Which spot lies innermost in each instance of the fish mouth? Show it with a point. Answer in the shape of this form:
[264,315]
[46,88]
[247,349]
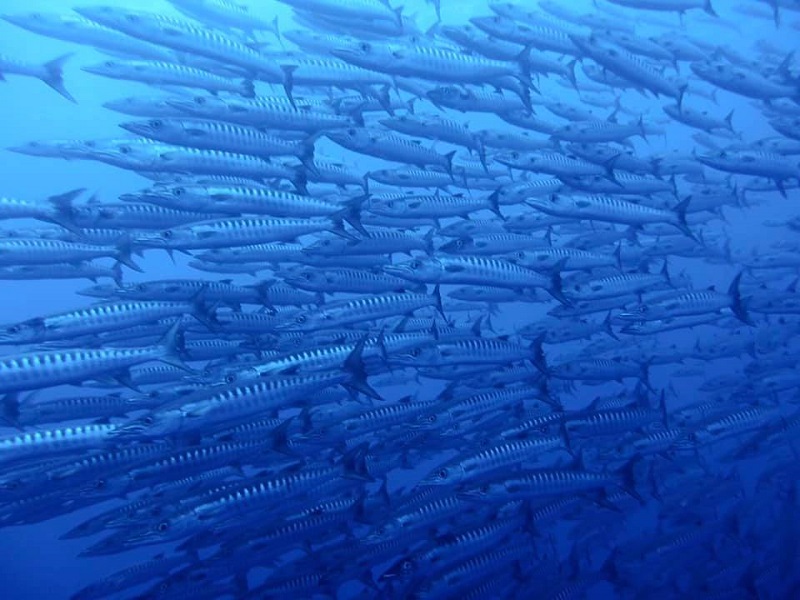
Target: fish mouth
[184,105]
[95,70]
[154,240]
[136,128]
[396,270]
[345,53]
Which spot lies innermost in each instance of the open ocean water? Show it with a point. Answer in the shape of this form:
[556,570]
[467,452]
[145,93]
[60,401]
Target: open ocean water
[338,299]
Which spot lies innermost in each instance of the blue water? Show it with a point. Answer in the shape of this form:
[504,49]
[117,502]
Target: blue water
[35,564]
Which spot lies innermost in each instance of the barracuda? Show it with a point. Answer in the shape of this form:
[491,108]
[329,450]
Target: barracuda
[97,319]
[487,462]
[166,73]
[41,369]
[183,36]
[244,231]
[612,210]
[477,270]
[46,252]
[266,112]
[225,137]
[692,303]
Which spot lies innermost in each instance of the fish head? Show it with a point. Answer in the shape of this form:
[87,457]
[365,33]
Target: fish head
[306,320]
[390,207]
[422,355]
[516,159]
[403,570]
[155,423]
[425,270]
[462,244]
[38,22]
[449,93]
[206,105]
[108,68]
[151,128]
[56,148]
[368,54]
[103,290]
[24,332]
[330,246]
[384,532]
[444,475]
[168,238]
[105,487]
[349,135]
[483,493]
[306,276]
[127,21]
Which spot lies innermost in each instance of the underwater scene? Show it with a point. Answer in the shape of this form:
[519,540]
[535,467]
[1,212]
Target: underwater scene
[442,299]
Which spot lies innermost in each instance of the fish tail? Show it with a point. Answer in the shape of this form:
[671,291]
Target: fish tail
[556,289]
[437,297]
[288,82]
[116,272]
[449,157]
[54,76]
[124,250]
[10,409]
[628,476]
[539,359]
[680,212]
[172,347]
[354,463]
[608,328]
[354,365]
[64,212]
[571,73]
[737,306]
[248,88]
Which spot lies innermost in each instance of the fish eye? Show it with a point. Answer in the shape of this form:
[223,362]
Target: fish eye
[230,378]
[351,131]
[443,474]
[200,100]
[364,46]
[301,319]
[162,526]
[149,420]
[515,155]
[415,264]
[100,484]
[306,276]
[416,352]
[132,18]
[125,149]
[156,123]
[141,287]
[167,234]
[14,329]
[109,63]
[406,565]
[178,191]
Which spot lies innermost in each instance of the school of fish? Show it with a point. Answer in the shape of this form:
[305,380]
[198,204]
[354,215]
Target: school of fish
[404,357]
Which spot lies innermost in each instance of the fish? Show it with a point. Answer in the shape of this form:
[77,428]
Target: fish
[430,301]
